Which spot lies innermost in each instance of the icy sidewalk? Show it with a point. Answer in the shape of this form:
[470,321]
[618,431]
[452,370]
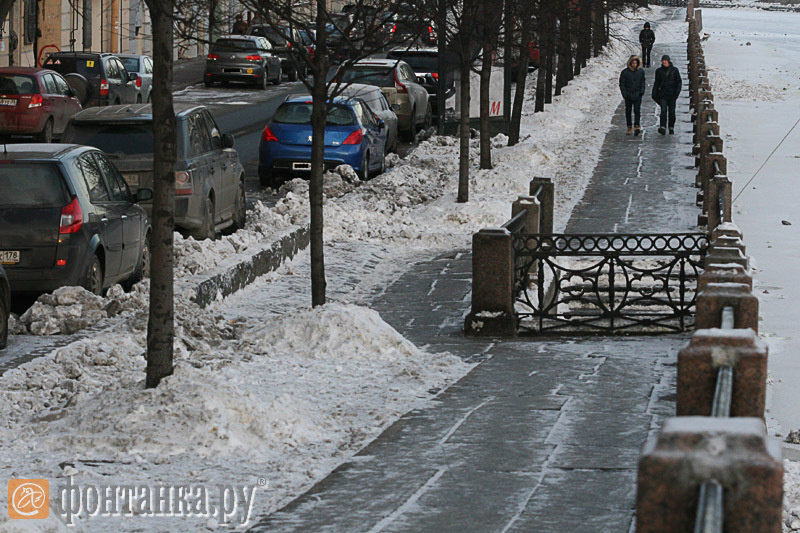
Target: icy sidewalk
[539,437]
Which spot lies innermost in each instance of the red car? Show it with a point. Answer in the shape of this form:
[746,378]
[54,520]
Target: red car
[35,102]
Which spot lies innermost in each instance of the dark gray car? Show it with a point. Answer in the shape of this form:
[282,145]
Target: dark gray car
[247,58]
[143,66]
[291,64]
[209,179]
[98,79]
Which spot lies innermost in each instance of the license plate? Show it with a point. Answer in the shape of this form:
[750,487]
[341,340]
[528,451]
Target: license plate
[301,166]
[8,101]
[131,179]
[9,257]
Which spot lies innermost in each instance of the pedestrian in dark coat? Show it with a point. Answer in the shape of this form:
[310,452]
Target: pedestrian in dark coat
[240,26]
[646,38]
[666,90]
[632,86]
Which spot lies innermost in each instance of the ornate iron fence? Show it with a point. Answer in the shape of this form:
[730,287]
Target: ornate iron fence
[606,282]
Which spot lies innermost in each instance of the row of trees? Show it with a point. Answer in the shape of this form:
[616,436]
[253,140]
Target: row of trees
[478,33]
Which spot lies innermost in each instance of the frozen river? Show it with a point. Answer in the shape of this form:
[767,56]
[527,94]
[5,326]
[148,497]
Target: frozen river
[754,56]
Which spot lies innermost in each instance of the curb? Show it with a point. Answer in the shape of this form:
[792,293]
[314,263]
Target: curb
[233,278]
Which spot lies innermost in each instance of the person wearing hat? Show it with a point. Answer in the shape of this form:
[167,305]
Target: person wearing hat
[240,26]
[647,37]
[632,86]
[666,90]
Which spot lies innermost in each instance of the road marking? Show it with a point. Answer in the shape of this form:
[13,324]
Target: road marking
[628,210]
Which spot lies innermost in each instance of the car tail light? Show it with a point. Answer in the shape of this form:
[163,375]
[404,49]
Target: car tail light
[212,57]
[394,28]
[61,262]
[430,30]
[399,86]
[71,217]
[104,87]
[36,101]
[355,138]
[268,136]
[253,58]
[138,82]
[435,75]
[183,182]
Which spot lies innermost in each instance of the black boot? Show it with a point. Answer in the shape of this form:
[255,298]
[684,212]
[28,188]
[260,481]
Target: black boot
[662,130]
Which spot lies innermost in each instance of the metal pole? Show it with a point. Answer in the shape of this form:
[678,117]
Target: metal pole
[442,83]
[709,508]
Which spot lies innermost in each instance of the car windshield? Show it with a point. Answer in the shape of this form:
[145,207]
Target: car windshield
[117,140]
[379,76]
[419,62]
[235,44]
[32,185]
[300,113]
[18,84]
[273,35]
[89,67]
[131,63]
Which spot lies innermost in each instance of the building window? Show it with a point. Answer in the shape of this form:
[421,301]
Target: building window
[30,21]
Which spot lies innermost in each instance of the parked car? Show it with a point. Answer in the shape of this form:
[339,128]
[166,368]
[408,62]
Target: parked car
[67,218]
[408,30]
[409,99]
[98,79]
[246,58]
[425,63]
[5,306]
[291,63]
[379,105]
[143,67]
[35,102]
[209,179]
[353,136]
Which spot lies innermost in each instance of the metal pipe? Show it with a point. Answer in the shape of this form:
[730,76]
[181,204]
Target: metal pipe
[728,318]
[723,393]
[709,508]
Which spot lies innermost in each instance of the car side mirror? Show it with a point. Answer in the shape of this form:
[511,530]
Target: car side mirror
[133,76]
[143,195]
[227,140]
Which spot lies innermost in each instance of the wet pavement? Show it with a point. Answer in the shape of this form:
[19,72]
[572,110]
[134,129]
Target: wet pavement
[544,434]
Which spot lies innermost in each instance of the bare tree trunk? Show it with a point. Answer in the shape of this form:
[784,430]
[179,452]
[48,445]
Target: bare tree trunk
[584,37]
[160,325]
[319,97]
[564,74]
[486,134]
[522,76]
[463,154]
[598,28]
[549,33]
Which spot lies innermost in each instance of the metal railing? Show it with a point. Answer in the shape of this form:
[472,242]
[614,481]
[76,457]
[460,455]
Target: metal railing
[710,500]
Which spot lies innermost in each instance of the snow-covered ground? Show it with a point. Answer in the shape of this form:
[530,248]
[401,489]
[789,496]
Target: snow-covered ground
[753,57]
[266,389]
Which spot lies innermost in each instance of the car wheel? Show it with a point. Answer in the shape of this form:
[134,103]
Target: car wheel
[138,98]
[94,277]
[208,230]
[4,313]
[143,269]
[262,83]
[363,174]
[279,78]
[240,207]
[381,168]
[46,135]
[411,132]
[117,101]
[208,83]
[266,178]
[428,122]
[149,98]
[293,74]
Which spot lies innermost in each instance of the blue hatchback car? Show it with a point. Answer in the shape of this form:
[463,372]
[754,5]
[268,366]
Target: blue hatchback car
[353,136]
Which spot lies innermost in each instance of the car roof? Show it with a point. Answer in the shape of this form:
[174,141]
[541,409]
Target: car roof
[414,50]
[377,63]
[127,113]
[38,151]
[64,53]
[358,89]
[239,37]
[23,70]
[301,99]
[132,55]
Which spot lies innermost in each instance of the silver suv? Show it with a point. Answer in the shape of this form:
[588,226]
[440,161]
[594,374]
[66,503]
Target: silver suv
[209,178]
[409,99]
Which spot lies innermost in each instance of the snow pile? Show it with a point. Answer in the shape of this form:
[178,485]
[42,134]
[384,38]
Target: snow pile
[726,88]
[791,496]
[290,398]
[68,310]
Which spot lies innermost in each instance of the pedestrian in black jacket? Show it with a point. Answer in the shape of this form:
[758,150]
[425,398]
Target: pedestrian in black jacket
[632,86]
[666,90]
[647,37]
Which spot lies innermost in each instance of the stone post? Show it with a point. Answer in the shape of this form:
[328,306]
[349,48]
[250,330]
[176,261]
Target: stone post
[492,285]
[735,452]
[716,296]
[547,201]
[699,361]
[723,273]
[533,208]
